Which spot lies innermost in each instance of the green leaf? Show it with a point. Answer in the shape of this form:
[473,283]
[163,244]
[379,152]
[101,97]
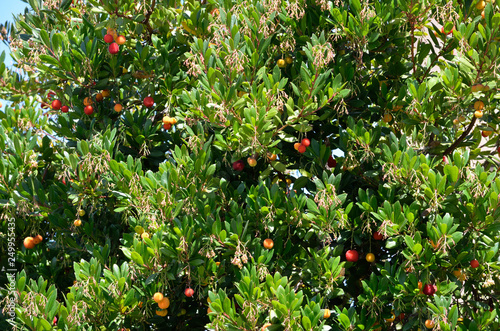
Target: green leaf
[137,258]
[306,322]
[344,320]
[417,248]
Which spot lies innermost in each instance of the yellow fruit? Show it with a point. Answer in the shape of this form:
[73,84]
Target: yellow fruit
[252,161]
[478,114]
[169,120]
[461,118]
[370,257]
[480,5]
[77,223]
[87,101]
[326,313]
[157,297]
[144,235]
[289,60]
[164,304]
[455,121]
[81,212]
[281,63]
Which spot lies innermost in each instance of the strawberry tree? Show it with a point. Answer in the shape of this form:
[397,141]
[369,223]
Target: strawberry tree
[251,165]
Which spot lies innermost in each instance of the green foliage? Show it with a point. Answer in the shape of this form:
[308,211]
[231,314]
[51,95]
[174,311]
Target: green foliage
[155,199]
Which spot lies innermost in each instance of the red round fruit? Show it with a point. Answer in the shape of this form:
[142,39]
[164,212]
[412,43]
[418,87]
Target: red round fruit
[377,236]
[302,149]
[113,48]
[238,165]
[108,38]
[189,292]
[149,102]
[428,289]
[56,104]
[306,142]
[352,255]
[332,163]
[88,110]
[64,109]
[474,263]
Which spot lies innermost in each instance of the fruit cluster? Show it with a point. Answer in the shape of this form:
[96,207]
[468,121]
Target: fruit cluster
[31,242]
[302,146]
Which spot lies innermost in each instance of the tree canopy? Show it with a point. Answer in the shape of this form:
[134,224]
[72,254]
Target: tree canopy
[251,164]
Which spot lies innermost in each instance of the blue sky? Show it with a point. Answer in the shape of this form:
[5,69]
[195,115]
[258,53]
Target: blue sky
[9,8]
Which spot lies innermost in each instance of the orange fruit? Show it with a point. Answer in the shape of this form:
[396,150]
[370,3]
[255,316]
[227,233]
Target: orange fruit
[296,146]
[77,223]
[99,97]
[105,93]
[391,319]
[429,324]
[478,105]
[87,101]
[265,326]
[120,40]
[167,126]
[118,108]
[387,118]
[326,313]
[157,297]
[112,32]
[38,239]
[272,157]
[268,243]
[162,313]
[29,242]
[164,303]
[169,120]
